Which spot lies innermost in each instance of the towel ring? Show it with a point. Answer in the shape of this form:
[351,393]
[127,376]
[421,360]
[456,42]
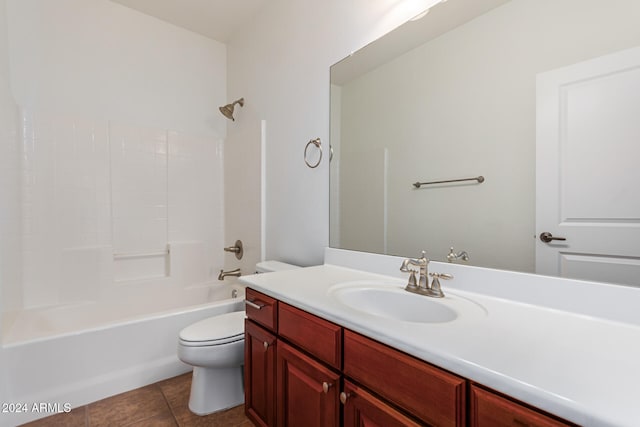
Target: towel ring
[318,144]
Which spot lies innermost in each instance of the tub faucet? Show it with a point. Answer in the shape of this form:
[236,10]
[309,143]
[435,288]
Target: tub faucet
[223,274]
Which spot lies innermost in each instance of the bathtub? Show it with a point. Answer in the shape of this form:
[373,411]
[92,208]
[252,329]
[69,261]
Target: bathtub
[79,353]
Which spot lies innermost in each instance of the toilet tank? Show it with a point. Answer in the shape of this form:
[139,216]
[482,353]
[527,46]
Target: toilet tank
[270,266]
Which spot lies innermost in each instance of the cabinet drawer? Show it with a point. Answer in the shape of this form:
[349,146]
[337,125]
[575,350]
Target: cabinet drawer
[433,395]
[319,337]
[261,309]
[490,410]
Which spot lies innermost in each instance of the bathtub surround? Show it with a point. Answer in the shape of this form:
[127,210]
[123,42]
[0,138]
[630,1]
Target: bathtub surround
[119,152]
[104,201]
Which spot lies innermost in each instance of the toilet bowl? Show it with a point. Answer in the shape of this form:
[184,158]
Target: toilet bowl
[215,348]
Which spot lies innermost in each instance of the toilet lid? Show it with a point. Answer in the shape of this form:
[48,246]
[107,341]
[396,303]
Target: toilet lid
[215,330]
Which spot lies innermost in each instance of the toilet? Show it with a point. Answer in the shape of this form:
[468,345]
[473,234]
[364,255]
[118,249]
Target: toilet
[215,348]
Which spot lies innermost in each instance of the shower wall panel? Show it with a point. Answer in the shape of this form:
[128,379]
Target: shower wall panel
[102,202]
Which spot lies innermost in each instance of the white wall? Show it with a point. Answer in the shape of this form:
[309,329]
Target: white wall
[121,143]
[108,61]
[10,246]
[280,64]
[10,221]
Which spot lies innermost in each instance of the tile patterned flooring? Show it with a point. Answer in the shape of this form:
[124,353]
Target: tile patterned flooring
[163,404]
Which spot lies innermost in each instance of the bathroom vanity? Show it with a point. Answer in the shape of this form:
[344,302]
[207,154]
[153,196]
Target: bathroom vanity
[321,351]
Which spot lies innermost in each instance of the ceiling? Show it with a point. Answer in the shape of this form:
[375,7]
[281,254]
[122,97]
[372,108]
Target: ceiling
[216,19]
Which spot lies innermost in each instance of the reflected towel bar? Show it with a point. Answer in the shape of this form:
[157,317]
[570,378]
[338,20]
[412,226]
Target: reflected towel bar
[480,179]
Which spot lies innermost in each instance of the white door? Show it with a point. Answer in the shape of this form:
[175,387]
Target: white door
[588,169]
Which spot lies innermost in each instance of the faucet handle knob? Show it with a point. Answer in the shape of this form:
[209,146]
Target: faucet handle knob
[435,290]
[412,285]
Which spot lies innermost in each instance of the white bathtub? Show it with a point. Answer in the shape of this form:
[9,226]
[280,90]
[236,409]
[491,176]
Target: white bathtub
[78,353]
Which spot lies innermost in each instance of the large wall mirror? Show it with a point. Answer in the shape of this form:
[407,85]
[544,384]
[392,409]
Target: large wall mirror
[539,97]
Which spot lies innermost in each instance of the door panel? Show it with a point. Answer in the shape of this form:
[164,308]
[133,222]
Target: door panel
[587,174]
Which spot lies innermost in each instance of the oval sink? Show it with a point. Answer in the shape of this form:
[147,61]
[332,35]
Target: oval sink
[395,305]
[393,302]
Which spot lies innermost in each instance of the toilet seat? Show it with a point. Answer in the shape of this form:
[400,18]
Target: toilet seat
[216,330]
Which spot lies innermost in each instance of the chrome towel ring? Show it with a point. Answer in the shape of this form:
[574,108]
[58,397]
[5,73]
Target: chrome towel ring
[318,145]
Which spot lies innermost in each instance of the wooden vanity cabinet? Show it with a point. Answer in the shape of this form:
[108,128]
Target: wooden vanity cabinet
[317,336]
[259,374]
[262,309]
[295,363]
[260,343]
[307,390]
[488,409]
[361,408]
[423,390]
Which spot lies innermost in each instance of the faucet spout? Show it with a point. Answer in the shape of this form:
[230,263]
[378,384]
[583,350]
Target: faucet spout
[423,264]
[223,274]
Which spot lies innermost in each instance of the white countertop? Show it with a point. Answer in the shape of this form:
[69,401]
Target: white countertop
[579,367]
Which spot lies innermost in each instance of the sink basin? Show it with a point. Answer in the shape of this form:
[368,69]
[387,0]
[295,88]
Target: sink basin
[393,302]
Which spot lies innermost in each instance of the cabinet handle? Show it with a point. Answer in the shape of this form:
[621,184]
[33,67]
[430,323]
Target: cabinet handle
[266,345]
[253,304]
[326,386]
[344,396]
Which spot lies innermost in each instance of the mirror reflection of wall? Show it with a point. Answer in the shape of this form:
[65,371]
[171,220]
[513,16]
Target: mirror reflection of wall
[460,105]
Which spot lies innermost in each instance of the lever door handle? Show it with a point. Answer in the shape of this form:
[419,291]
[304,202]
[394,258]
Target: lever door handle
[548,237]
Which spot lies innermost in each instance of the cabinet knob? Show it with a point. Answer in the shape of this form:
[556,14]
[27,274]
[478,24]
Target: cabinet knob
[344,396]
[266,345]
[326,386]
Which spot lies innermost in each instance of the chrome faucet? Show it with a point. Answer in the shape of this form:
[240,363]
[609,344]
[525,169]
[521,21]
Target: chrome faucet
[423,282]
[223,274]
[423,287]
[452,256]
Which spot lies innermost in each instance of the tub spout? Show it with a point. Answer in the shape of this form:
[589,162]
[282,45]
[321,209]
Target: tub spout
[223,274]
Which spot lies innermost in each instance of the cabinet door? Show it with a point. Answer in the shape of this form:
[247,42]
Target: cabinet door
[361,409]
[259,375]
[307,390]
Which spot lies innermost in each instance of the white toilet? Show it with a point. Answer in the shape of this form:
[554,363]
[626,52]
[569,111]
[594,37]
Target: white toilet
[215,348]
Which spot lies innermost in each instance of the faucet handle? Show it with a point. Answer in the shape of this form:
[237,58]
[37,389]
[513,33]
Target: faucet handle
[405,266]
[412,285]
[435,290]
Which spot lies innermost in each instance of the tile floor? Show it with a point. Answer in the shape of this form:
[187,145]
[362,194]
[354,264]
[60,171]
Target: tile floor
[163,404]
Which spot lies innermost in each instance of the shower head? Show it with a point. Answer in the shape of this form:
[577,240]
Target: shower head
[227,110]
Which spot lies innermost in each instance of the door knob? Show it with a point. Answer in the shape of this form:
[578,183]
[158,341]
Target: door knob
[548,237]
